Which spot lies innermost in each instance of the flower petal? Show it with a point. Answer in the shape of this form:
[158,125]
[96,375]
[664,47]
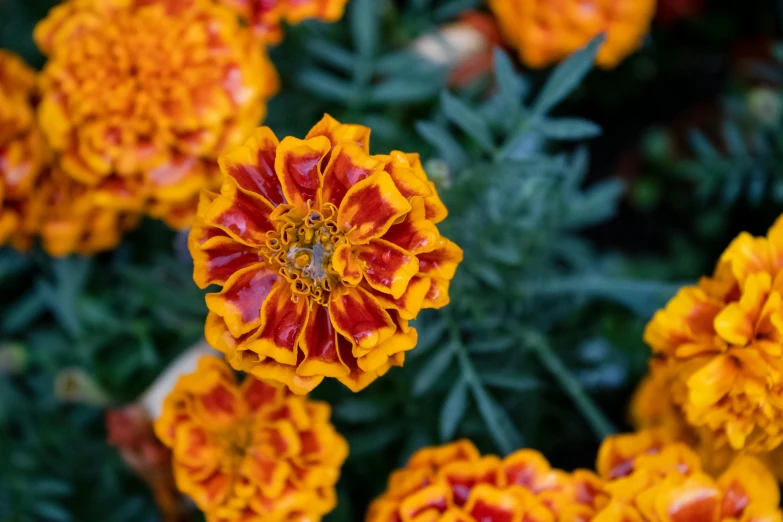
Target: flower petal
[415,233]
[282,322]
[442,261]
[370,207]
[437,295]
[338,132]
[241,214]
[269,369]
[252,165]
[409,304]
[359,317]
[436,210]
[713,381]
[240,301]
[259,395]
[348,165]
[298,168]
[346,265]
[463,476]
[319,344]
[407,180]
[267,471]
[489,503]
[218,258]
[387,267]
[357,379]
[403,340]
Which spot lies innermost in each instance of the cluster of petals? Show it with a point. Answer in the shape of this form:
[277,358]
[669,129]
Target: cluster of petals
[249,451]
[545,32]
[324,253]
[37,201]
[723,339]
[455,483]
[266,17]
[649,480]
[139,97]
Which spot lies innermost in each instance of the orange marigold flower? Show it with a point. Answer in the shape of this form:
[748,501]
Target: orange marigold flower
[649,480]
[724,339]
[454,483]
[546,31]
[266,17]
[23,151]
[324,252]
[141,96]
[250,451]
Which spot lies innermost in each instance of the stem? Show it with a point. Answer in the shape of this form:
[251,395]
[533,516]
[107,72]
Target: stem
[600,425]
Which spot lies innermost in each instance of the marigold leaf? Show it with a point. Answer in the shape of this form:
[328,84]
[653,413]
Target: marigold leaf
[447,147]
[453,409]
[432,370]
[403,91]
[51,512]
[364,26]
[568,129]
[509,83]
[325,85]
[567,76]
[468,120]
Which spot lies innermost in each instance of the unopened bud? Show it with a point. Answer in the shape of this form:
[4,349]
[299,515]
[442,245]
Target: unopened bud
[765,105]
[13,358]
[74,385]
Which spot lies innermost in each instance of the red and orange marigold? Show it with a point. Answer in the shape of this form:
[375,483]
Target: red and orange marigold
[649,480]
[453,483]
[546,31]
[139,97]
[250,451]
[324,252]
[723,338]
[266,17]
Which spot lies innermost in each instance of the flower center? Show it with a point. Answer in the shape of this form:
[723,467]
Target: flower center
[237,440]
[303,250]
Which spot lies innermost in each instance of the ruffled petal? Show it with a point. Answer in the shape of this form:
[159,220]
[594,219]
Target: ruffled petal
[713,381]
[348,165]
[358,316]
[415,233]
[319,344]
[403,340]
[405,178]
[442,261]
[218,258]
[298,165]
[271,370]
[243,215]
[436,210]
[387,267]
[370,207]
[338,132]
[283,319]
[410,303]
[240,301]
[346,265]
[252,165]
[357,379]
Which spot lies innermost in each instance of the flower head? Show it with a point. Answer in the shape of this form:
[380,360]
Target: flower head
[250,451]
[324,252]
[140,97]
[724,339]
[23,151]
[266,17]
[545,31]
[454,483]
[648,480]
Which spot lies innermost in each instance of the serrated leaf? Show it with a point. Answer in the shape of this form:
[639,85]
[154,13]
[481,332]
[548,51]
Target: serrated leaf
[403,91]
[332,54]
[567,76]
[453,409]
[326,86]
[432,370]
[506,439]
[510,382]
[447,147]
[468,120]
[568,129]
[364,26]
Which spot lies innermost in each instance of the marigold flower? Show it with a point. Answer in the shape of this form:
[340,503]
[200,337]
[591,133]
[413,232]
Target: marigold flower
[649,480]
[266,17]
[546,31]
[724,339]
[140,97]
[23,151]
[250,451]
[324,252]
[454,483]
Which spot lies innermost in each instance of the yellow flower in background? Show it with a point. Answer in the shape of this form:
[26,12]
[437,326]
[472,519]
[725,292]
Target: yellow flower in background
[723,338]
[324,253]
[138,98]
[266,17]
[547,31]
[23,150]
[454,483]
[648,480]
[250,452]
[38,201]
